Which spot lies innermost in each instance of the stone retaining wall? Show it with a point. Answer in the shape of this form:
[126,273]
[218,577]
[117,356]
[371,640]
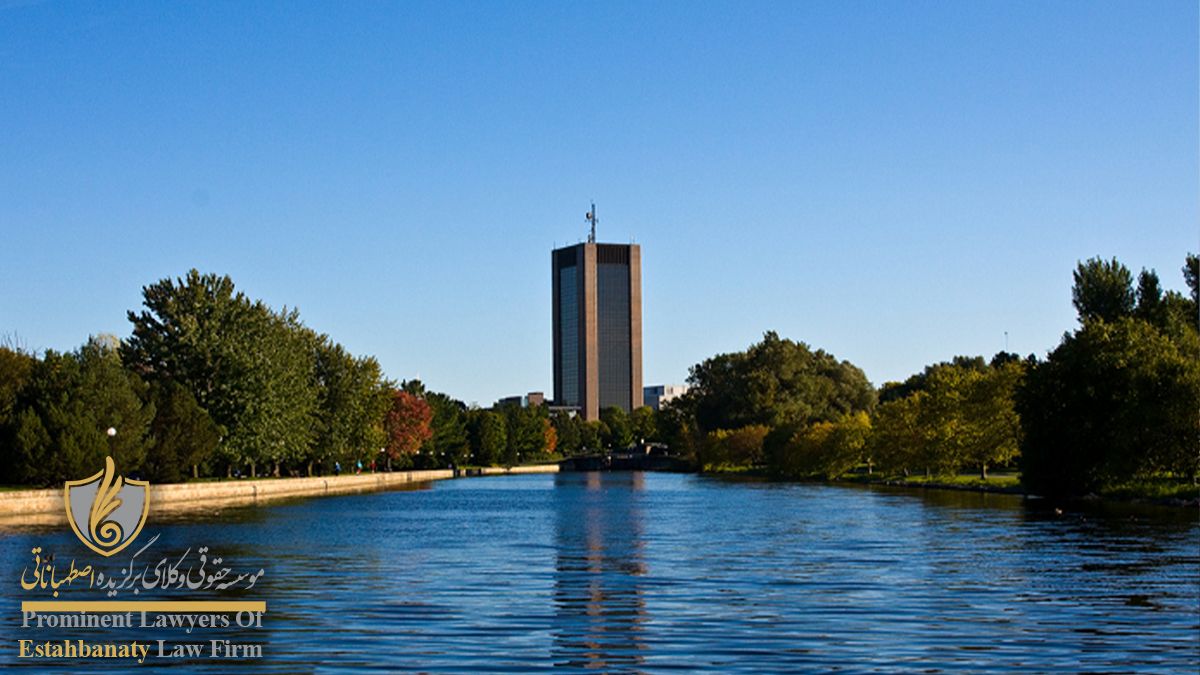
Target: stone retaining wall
[46,506]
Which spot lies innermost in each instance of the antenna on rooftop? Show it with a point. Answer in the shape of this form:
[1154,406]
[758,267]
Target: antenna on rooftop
[591,217]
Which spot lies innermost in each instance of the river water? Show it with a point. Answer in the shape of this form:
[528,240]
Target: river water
[669,573]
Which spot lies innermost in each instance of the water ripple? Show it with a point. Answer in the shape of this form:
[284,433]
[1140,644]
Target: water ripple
[658,573]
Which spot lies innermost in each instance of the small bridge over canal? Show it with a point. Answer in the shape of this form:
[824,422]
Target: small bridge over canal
[637,458]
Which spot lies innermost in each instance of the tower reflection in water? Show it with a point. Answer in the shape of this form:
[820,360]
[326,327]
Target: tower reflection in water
[600,610]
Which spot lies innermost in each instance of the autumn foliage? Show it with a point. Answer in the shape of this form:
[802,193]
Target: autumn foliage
[407,424]
[551,436]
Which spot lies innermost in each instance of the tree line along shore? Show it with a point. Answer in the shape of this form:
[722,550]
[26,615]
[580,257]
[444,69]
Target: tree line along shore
[211,384]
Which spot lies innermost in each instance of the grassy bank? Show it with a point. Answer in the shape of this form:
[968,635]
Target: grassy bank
[997,482]
[1164,491]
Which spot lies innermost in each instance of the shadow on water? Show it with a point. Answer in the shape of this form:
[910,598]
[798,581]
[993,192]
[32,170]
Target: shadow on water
[598,591]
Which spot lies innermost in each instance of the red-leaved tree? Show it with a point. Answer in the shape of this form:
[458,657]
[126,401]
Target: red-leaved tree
[407,426]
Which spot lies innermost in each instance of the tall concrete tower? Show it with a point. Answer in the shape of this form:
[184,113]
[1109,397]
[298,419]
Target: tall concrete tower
[597,326]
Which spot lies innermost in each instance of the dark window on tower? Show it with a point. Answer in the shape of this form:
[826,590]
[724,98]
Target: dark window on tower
[568,312]
[612,323]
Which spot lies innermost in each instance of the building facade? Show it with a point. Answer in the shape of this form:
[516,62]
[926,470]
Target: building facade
[531,400]
[597,327]
[657,395]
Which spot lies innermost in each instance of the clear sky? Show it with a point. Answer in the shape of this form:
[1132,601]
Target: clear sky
[893,182]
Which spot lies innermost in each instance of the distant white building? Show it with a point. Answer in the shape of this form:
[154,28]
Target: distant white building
[659,394]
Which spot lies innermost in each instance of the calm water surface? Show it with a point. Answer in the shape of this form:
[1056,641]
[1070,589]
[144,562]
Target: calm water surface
[665,573]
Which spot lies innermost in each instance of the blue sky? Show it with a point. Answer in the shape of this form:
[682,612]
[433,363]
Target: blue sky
[894,183]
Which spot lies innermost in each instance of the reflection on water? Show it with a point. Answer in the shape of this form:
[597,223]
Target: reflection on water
[657,573]
[599,608]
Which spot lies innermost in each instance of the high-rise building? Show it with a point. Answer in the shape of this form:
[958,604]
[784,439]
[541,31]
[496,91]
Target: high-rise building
[597,327]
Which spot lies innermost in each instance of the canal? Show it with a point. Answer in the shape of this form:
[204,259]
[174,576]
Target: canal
[662,573]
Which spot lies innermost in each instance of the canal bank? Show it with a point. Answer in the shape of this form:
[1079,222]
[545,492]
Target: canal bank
[45,507]
[1011,488]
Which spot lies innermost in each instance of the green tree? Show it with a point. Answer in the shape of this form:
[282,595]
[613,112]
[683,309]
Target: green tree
[569,433]
[643,424]
[712,452]
[1103,290]
[992,425]
[731,448]
[676,426]
[744,446]
[353,399]
[64,411]
[1150,302]
[828,449]
[1191,275]
[590,433]
[526,434]
[450,444]
[921,381]
[15,366]
[488,437]
[955,414]
[810,452]
[184,435]
[1116,401]
[250,368]
[775,382]
[943,417]
[620,435]
[898,440]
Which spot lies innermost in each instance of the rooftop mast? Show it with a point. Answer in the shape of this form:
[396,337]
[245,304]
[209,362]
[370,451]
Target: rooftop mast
[591,217]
